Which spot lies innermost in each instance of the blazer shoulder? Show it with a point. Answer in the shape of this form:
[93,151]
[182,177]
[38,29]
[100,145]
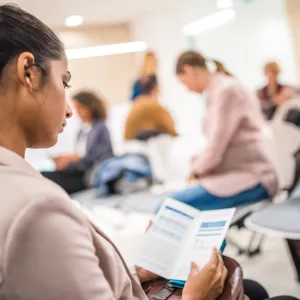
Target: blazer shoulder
[45,206]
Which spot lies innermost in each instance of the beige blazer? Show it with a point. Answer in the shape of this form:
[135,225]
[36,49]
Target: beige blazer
[48,248]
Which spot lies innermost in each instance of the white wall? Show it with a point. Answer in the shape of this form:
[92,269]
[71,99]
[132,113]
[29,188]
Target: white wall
[110,76]
[260,32]
[293,11]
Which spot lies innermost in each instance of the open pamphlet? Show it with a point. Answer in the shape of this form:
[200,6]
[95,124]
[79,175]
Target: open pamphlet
[180,235]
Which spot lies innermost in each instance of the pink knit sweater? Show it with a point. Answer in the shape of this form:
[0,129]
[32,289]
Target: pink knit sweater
[237,156]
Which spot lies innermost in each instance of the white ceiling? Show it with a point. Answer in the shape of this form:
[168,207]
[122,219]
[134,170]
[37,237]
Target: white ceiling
[54,12]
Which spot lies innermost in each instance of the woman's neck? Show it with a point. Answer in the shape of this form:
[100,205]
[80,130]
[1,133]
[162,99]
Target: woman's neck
[208,80]
[12,139]
[272,83]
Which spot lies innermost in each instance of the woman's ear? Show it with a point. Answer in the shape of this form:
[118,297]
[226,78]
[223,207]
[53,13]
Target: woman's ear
[27,73]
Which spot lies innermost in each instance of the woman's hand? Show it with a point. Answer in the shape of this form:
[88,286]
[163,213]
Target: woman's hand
[193,177]
[285,94]
[208,283]
[144,275]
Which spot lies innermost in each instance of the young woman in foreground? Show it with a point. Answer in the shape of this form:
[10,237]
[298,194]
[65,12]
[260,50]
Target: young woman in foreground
[48,248]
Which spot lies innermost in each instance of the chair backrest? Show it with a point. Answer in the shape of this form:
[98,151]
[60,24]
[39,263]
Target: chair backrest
[296,179]
[158,150]
[286,141]
[283,109]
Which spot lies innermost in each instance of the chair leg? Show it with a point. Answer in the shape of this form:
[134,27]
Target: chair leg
[252,249]
[294,246]
[254,245]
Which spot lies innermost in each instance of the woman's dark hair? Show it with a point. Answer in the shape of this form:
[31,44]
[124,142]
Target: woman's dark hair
[92,102]
[190,58]
[22,32]
[148,83]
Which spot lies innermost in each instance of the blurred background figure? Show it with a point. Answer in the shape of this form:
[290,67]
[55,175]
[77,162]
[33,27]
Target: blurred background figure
[147,117]
[93,145]
[234,167]
[274,93]
[148,68]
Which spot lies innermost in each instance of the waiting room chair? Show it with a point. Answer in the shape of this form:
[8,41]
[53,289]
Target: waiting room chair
[281,220]
[283,109]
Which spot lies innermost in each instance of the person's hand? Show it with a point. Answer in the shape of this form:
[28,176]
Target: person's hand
[192,177]
[195,164]
[284,95]
[149,225]
[63,160]
[208,283]
[145,276]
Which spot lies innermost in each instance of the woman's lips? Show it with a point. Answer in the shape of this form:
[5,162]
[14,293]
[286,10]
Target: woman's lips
[62,127]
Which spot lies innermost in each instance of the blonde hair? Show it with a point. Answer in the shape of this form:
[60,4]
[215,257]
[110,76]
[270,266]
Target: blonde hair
[146,68]
[273,67]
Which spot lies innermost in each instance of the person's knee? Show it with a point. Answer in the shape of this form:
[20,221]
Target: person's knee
[254,290]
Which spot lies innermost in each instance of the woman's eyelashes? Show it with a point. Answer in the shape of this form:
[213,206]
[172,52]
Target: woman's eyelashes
[66,85]
[66,80]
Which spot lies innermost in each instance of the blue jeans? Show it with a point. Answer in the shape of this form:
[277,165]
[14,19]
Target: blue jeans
[200,198]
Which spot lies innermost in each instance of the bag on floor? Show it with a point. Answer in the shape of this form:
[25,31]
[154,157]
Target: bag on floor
[233,288]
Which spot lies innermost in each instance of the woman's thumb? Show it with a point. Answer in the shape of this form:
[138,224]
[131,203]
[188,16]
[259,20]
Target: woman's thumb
[194,268]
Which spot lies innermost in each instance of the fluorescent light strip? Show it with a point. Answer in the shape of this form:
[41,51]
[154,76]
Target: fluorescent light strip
[209,22]
[74,21]
[106,50]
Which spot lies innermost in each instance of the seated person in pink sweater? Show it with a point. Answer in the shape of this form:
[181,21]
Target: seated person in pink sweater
[236,166]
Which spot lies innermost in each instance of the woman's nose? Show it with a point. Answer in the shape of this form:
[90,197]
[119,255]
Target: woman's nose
[69,112]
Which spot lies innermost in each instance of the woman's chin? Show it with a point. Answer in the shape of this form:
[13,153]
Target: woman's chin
[42,144]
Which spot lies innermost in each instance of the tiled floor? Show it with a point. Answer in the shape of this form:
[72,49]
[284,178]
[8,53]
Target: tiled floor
[273,268]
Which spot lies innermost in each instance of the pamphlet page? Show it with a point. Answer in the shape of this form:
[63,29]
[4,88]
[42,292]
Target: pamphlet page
[164,242]
[209,233]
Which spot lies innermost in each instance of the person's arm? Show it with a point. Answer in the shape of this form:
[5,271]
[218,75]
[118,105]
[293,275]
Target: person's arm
[100,149]
[285,94]
[226,116]
[50,255]
[165,122]
[63,160]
